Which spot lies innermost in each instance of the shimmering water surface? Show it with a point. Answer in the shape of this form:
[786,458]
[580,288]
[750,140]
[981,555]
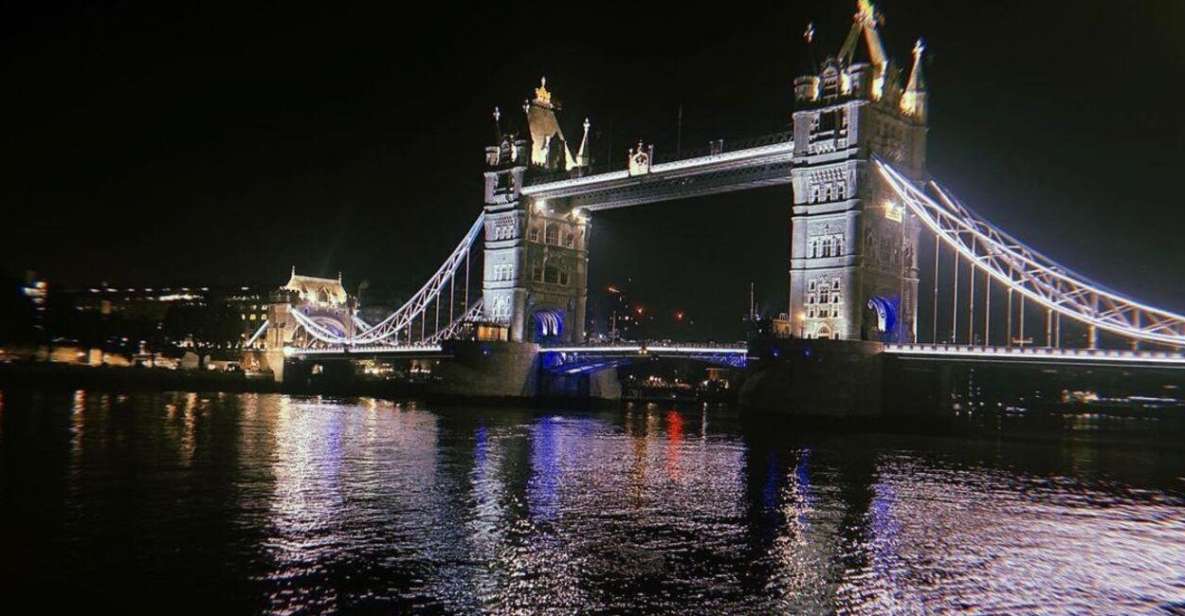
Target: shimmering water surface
[249,503]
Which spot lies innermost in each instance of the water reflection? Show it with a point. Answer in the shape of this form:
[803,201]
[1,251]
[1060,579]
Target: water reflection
[289,505]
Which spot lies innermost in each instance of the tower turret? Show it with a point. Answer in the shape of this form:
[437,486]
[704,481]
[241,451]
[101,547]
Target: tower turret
[854,251]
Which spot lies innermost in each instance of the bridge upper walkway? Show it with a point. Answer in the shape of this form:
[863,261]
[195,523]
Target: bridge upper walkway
[764,161]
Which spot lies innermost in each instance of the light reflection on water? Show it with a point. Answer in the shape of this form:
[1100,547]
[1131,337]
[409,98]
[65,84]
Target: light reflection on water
[284,505]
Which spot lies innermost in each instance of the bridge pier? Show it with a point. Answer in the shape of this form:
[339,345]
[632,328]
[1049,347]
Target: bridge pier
[273,359]
[513,370]
[815,378]
[488,370]
[600,385]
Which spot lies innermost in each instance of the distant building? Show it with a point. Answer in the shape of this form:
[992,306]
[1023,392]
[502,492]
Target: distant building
[209,317]
[313,290]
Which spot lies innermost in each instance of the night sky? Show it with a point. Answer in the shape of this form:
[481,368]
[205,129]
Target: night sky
[147,143]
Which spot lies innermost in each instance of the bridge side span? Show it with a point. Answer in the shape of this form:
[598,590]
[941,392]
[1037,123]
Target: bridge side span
[1030,273]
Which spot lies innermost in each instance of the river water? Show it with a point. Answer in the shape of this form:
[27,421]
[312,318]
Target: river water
[243,503]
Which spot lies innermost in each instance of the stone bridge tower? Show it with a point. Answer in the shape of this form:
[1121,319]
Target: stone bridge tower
[853,266]
[535,280]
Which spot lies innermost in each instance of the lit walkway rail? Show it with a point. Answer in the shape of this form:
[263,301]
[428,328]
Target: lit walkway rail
[1098,357]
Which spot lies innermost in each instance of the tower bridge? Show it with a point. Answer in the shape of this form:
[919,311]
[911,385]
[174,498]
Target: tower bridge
[861,203]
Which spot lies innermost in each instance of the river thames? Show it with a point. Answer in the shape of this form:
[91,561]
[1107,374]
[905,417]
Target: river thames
[246,503]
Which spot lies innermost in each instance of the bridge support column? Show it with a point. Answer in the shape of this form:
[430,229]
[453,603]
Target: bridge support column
[489,370]
[273,359]
[816,378]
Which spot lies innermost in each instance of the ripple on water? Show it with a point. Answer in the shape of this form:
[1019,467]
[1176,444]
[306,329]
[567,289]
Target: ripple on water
[295,505]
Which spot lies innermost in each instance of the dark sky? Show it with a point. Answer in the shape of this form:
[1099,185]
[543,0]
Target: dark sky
[148,143]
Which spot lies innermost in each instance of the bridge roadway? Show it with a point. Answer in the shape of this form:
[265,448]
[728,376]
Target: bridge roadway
[765,161]
[575,359]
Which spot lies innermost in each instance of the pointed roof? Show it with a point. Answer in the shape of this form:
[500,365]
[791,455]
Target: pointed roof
[545,127]
[317,290]
[864,22]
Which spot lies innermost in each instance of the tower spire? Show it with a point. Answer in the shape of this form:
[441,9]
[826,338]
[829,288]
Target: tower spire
[808,35]
[913,101]
[582,154]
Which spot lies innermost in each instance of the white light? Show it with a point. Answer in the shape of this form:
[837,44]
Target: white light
[1027,353]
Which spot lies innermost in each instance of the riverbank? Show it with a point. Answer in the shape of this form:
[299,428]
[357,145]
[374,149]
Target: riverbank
[56,376]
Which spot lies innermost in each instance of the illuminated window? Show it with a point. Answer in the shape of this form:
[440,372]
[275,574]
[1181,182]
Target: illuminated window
[552,235]
[533,234]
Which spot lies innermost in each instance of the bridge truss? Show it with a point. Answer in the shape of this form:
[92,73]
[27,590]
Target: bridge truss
[1028,273]
[399,329]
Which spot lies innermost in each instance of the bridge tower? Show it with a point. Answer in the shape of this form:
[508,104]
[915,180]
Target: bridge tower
[853,266]
[535,279]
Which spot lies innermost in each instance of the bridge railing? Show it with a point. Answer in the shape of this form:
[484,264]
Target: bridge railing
[1034,353]
[651,346]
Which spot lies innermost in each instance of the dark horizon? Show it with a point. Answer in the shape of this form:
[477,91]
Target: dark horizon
[156,145]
